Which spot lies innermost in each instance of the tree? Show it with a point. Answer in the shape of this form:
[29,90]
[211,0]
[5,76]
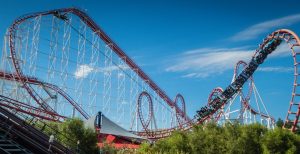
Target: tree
[86,139]
[281,141]
[250,139]
[231,138]
[179,142]
[176,143]
[72,134]
[279,123]
[232,134]
[145,147]
[208,138]
[108,149]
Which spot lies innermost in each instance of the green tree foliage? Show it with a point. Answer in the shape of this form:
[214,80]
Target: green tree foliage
[74,135]
[281,141]
[209,138]
[279,123]
[249,140]
[176,143]
[230,138]
[146,148]
[108,149]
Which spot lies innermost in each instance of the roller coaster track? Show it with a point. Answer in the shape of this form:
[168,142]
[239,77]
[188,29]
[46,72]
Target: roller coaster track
[269,44]
[97,30]
[244,97]
[216,116]
[27,108]
[267,47]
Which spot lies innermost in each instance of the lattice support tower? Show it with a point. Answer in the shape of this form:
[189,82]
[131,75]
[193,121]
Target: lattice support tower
[121,89]
[81,52]
[64,63]
[94,81]
[107,79]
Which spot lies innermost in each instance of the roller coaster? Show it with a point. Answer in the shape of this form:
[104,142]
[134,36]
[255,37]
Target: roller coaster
[60,64]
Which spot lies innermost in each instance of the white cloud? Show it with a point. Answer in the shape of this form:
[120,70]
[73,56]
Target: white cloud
[112,68]
[205,62]
[208,61]
[276,69]
[84,70]
[260,28]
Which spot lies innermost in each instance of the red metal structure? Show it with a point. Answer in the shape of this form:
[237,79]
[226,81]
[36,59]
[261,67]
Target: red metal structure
[269,44]
[46,85]
[239,66]
[97,30]
[28,109]
[293,42]
[217,115]
[179,101]
[245,107]
[145,123]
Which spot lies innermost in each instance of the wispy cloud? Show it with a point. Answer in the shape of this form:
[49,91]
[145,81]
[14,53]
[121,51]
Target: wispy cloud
[84,70]
[276,69]
[208,61]
[112,68]
[260,28]
[205,62]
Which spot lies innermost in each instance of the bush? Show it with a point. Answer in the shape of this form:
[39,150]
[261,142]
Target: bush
[281,141]
[230,138]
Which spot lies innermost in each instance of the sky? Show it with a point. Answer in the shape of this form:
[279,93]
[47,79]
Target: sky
[190,47]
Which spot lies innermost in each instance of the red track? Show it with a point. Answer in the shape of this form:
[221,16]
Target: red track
[235,74]
[294,109]
[246,98]
[291,38]
[145,123]
[31,80]
[30,110]
[213,94]
[94,27]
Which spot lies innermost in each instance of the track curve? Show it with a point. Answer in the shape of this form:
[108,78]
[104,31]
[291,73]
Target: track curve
[179,101]
[35,81]
[98,31]
[246,98]
[241,65]
[27,109]
[145,123]
[267,47]
[270,43]
[215,92]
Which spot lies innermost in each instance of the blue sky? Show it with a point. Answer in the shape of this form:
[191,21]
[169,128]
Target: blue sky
[190,47]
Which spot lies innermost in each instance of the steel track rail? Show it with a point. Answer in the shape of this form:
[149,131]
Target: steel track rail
[95,28]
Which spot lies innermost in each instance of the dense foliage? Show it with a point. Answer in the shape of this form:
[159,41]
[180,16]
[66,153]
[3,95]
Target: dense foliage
[231,139]
[74,135]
